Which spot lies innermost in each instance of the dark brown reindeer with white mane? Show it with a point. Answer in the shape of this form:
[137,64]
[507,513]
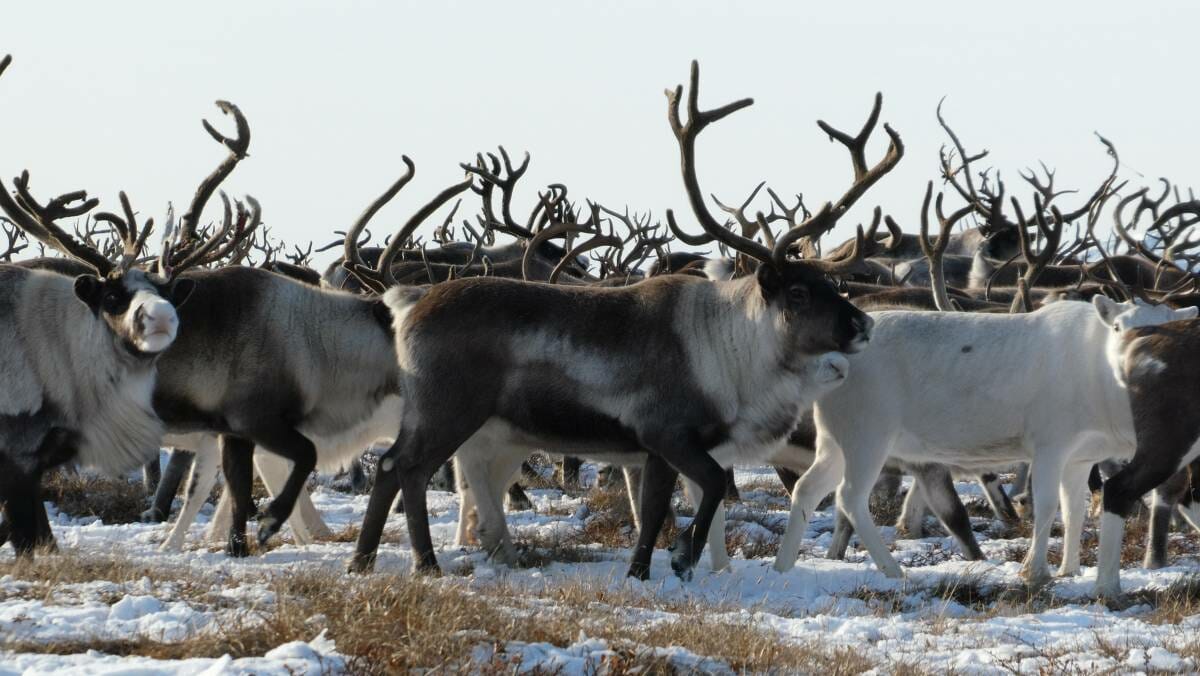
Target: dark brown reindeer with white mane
[686,371]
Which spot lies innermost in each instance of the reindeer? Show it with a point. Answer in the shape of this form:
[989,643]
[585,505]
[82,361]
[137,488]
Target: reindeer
[78,356]
[492,359]
[1060,409]
[1158,368]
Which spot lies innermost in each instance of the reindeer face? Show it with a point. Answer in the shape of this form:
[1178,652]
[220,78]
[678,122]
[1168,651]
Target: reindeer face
[1120,317]
[136,307]
[1001,245]
[822,320]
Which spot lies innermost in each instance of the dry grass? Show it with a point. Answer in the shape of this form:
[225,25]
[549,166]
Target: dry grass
[387,624]
[113,499]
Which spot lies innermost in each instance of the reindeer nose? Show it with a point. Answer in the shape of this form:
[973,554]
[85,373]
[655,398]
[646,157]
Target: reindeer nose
[160,318]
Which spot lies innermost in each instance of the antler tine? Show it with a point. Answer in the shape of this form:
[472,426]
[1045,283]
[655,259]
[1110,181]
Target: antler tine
[200,255]
[300,256]
[506,185]
[132,240]
[935,250]
[1046,190]
[686,135]
[789,213]
[579,250]
[849,265]
[1151,205]
[14,235]
[1034,262]
[864,177]
[560,229]
[968,192]
[352,260]
[444,233]
[896,235]
[1123,233]
[749,228]
[383,270]
[237,147]
[246,224]
[4,63]
[38,221]
[1105,185]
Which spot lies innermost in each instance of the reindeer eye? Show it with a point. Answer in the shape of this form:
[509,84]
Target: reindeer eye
[798,295]
[111,302]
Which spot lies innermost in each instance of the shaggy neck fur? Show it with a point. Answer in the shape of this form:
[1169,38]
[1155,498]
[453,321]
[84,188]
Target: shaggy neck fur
[102,390]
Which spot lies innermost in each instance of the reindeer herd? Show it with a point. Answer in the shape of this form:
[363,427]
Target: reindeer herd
[1015,338]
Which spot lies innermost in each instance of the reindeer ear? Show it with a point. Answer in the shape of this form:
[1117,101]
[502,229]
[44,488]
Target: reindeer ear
[1107,308]
[180,291]
[769,279]
[89,288]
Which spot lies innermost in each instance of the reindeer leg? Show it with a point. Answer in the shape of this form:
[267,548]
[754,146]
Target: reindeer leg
[853,498]
[938,489]
[237,463]
[842,530]
[200,482]
[468,511]
[1047,472]
[718,552]
[658,483]
[179,462]
[817,482]
[998,500]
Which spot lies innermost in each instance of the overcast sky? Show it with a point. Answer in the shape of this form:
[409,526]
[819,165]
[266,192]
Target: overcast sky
[109,96]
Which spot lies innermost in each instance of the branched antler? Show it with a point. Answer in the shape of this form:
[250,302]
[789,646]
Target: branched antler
[17,242]
[189,236]
[38,221]
[934,251]
[812,227]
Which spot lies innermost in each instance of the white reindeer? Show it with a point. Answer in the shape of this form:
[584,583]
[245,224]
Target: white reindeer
[978,391]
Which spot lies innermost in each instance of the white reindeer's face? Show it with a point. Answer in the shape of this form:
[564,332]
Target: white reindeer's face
[1120,317]
[136,308]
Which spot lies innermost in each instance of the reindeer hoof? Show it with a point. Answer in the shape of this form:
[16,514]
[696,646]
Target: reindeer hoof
[638,572]
[1114,599]
[236,547]
[268,526]
[153,515]
[682,564]
[1036,579]
[361,564]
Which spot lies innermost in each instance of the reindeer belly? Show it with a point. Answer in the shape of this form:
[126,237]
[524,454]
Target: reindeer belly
[341,432]
[981,452]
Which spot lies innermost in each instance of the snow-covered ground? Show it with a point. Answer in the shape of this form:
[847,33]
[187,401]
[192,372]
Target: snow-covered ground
[922,622]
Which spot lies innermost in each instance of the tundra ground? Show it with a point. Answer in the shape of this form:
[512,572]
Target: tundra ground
[109,602]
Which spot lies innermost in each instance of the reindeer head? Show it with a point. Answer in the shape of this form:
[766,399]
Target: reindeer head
[137,307]
[1121,317]
[801,290]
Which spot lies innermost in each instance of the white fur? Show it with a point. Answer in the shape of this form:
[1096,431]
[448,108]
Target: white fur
[335,360]
[1033,387]
[55,351]
[158,321]
[332,453]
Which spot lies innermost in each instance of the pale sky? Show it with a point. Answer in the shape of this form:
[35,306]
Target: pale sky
[109,96]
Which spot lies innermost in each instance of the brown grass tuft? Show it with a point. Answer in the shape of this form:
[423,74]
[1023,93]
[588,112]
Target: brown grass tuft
[113,499]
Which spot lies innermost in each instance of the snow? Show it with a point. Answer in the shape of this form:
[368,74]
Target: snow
[834,603]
